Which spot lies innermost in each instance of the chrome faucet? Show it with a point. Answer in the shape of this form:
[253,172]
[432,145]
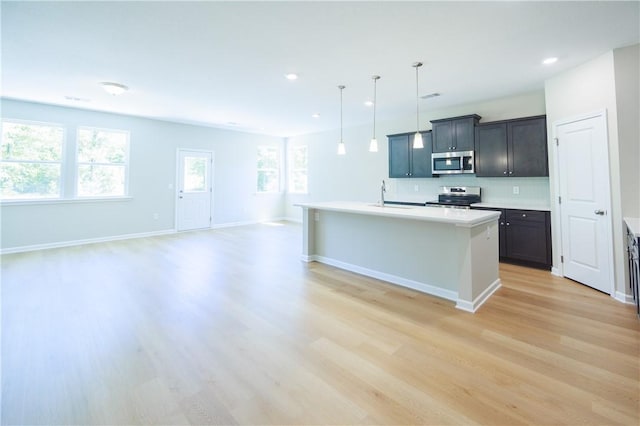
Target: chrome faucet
[383,189]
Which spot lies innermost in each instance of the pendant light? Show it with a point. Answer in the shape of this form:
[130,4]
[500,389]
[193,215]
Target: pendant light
[373,146]
[341,148]
[417,140]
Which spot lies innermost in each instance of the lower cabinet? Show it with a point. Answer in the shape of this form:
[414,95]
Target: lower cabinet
[525,237]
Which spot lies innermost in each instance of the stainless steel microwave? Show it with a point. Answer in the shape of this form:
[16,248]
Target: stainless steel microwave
[448,163]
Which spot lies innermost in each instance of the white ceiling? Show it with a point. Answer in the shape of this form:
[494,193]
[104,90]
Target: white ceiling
[213,63]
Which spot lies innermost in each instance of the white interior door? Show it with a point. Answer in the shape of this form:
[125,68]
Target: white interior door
[583,176]
[195,188]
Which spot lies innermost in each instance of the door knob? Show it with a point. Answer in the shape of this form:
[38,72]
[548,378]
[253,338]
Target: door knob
[599,212]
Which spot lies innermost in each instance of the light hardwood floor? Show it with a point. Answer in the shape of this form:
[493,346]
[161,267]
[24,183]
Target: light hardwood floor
[230,327]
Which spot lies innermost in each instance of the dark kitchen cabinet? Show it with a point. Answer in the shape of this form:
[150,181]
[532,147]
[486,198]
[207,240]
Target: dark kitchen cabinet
[525,237]
[528,236]
[405,161]
[512,148]
[491,150]
[454,134]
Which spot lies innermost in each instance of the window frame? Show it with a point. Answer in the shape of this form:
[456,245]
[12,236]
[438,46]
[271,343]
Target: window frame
[78,163]
[62,162]
[277,169]
[292,169]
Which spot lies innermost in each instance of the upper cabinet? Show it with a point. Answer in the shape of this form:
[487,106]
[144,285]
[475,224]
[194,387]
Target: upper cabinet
[512,148]
[406,162]
[454,134]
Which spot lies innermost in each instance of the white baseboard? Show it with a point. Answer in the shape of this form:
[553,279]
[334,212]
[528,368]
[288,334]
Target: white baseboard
[624,298]
[415,285]
[247,222]
[305,258]
[233,224]
[479,301]
[34,247]
[21,249]
[555,271]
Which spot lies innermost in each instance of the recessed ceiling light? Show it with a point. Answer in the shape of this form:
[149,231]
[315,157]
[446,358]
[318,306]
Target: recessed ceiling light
[291,76]
[368,103]
[315,115]
[550,61]
[114,88]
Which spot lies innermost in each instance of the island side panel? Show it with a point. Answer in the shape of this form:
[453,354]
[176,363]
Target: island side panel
[478,252]
[308,234]
[414,253]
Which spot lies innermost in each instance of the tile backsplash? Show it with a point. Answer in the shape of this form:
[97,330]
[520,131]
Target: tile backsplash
[533,190]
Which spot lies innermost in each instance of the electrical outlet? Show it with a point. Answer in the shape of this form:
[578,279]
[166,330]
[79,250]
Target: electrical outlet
[516,190]
[156,216]
[416,187]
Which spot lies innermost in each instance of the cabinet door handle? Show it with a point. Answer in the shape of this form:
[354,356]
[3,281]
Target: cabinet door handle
[508,223]
[510,173]
[502,223]
[504,173]
[407,174]
[524,215]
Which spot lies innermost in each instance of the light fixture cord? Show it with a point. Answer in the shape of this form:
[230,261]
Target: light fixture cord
[417,103]
[341,114]
[375,81]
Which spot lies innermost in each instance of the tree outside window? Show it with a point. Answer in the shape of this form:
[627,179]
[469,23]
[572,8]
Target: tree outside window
[268,169]
[102,159]
[298,169]
[30,160]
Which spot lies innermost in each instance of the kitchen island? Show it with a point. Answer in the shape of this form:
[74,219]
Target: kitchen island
[449,253]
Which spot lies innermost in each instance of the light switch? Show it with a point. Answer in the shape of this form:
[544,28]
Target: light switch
[516,190]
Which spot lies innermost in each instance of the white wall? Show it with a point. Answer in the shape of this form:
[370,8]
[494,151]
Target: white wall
[153,146]
[357,175]
[627,79]
[588,88]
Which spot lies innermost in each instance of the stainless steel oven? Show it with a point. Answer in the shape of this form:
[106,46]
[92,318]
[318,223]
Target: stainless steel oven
[457,197]
[456,162]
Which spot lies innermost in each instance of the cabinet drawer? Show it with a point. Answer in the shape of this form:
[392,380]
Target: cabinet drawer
[525,215]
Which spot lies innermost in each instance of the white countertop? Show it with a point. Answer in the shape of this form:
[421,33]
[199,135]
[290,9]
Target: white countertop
[458,217]
[633,223]
[504,204]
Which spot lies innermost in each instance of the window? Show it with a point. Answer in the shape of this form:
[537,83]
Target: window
[31,160]
[298,169]
[103,162]
[195,174]
[268,169]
